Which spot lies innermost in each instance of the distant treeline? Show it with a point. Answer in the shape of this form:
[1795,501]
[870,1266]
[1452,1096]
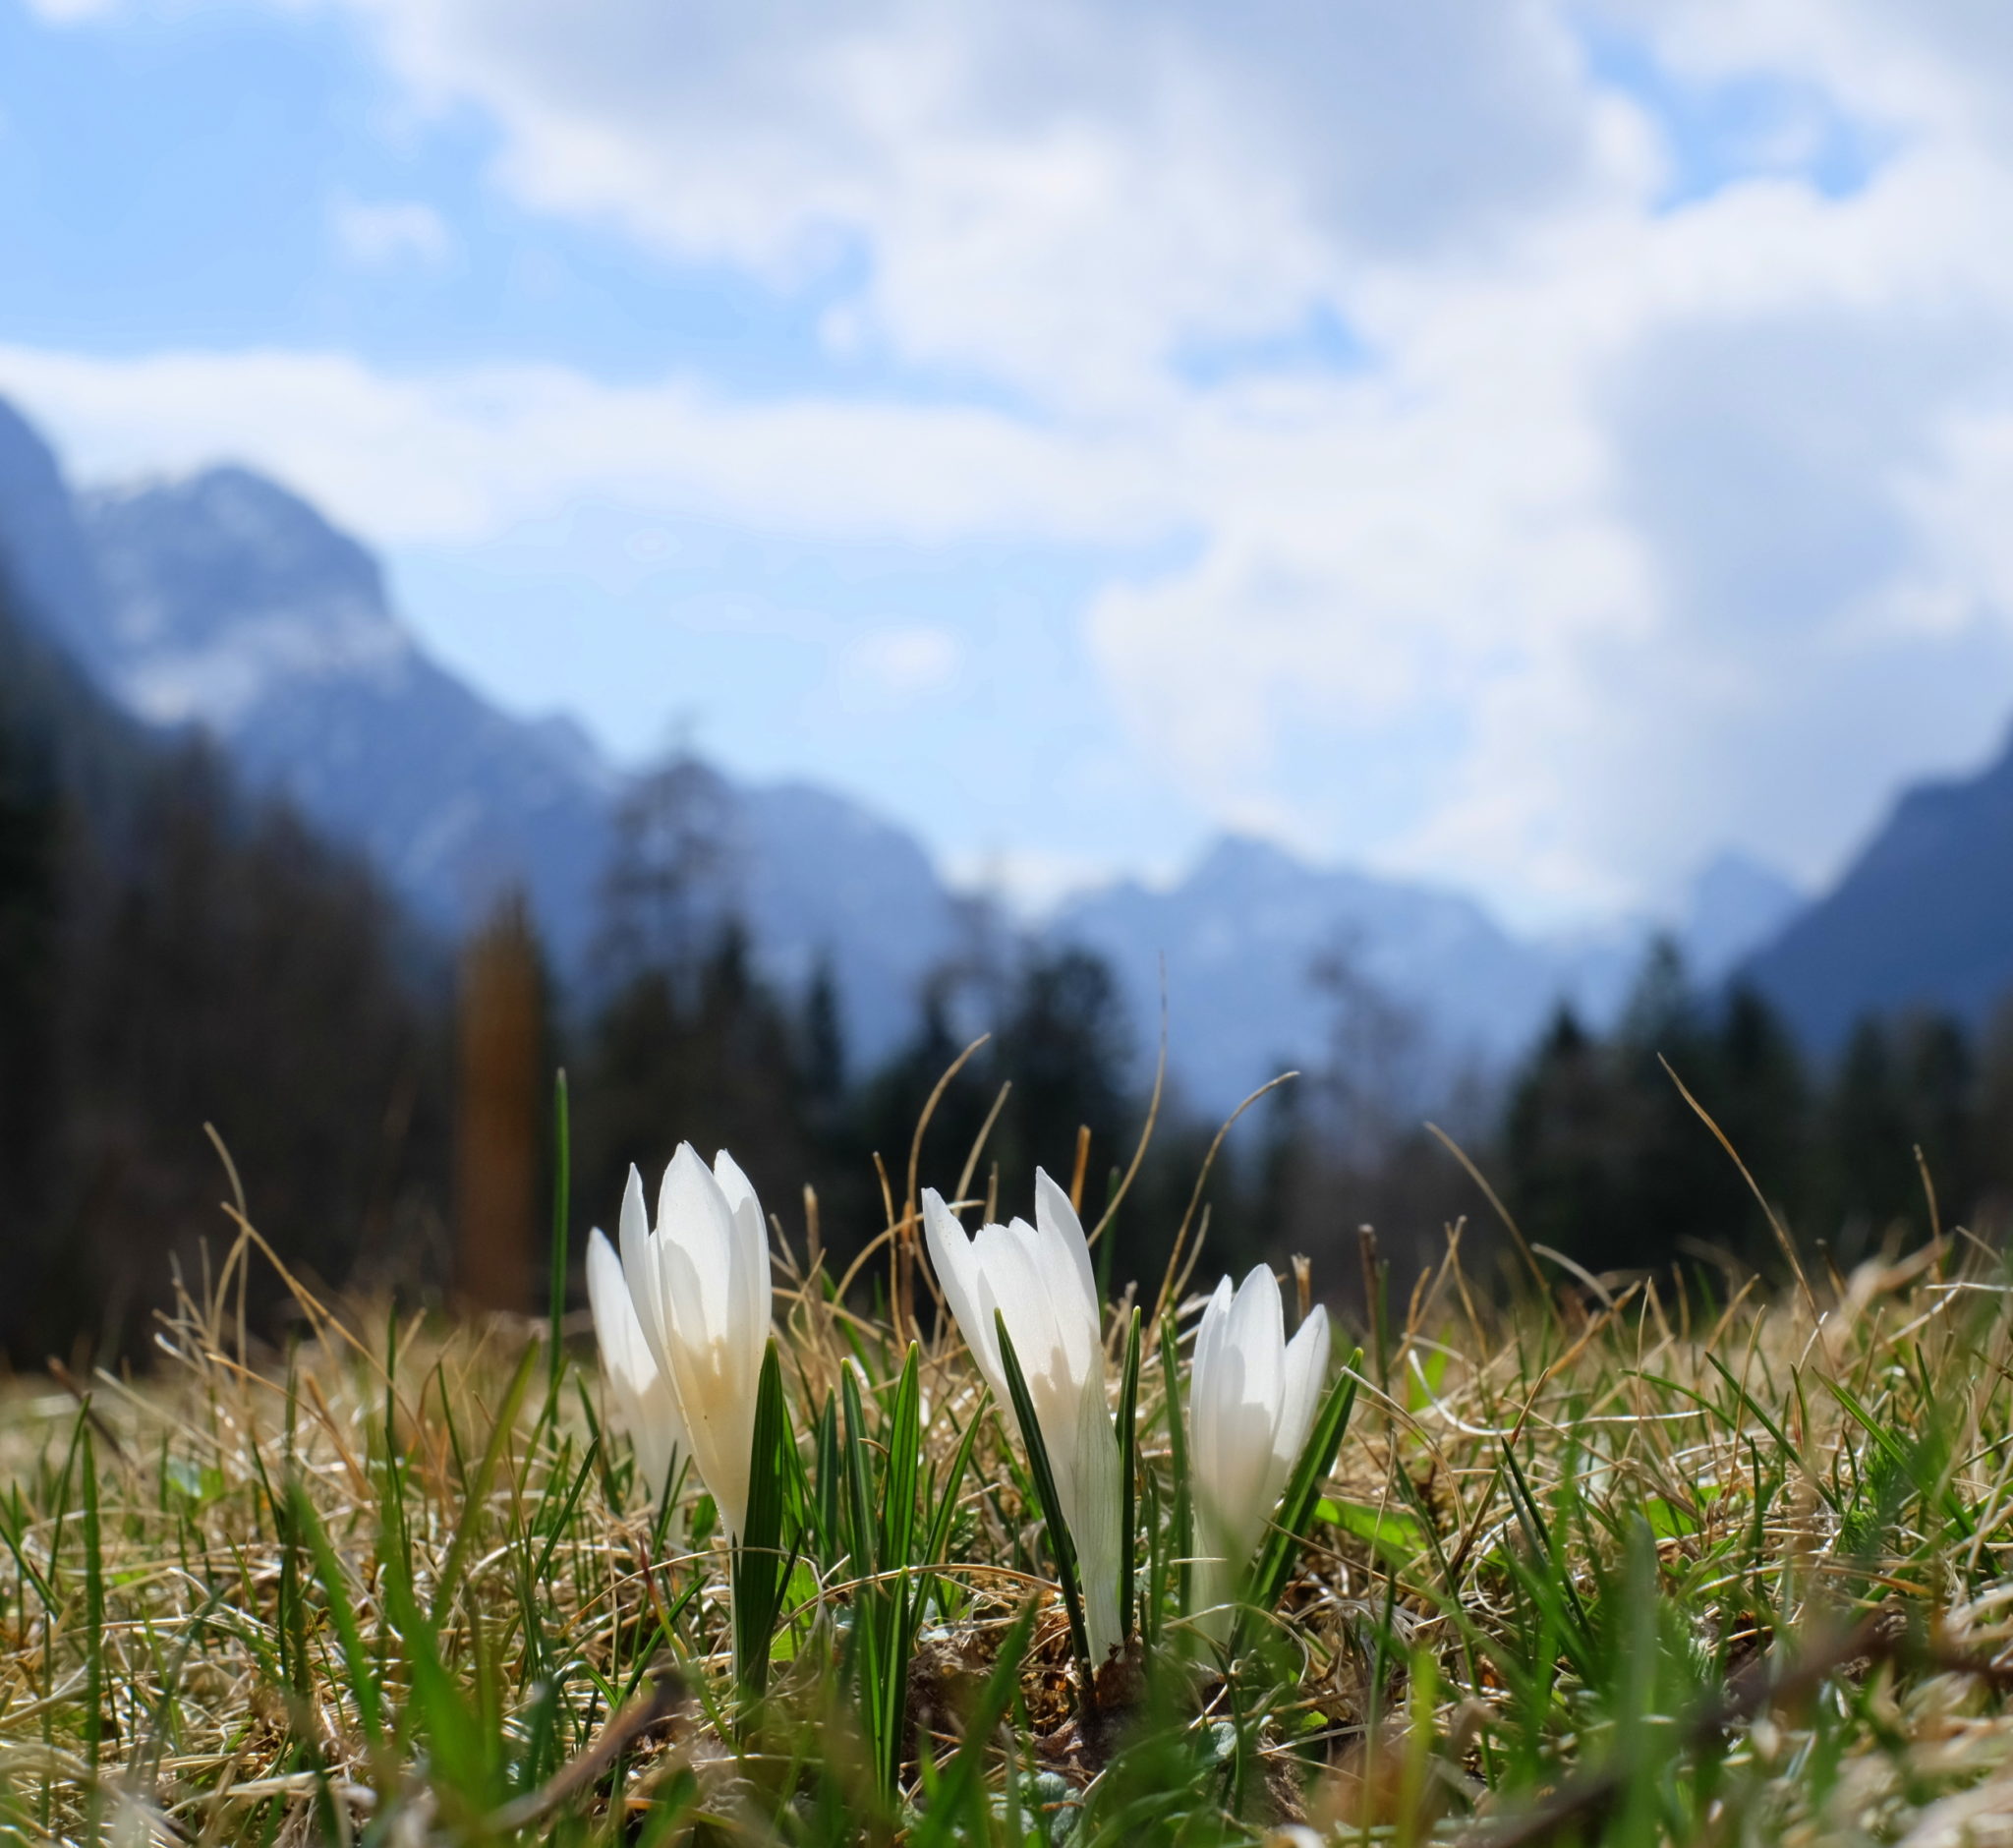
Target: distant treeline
[172,955]
[1602,1156]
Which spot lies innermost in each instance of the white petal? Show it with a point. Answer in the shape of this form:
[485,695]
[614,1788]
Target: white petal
[1008,1258]
[1207,1390]
[1234,1397]
[716,1391]
[985,1306]
[736,1184]
[646,1401]
[950,1251]
[693,1214]
[642,1273]
[657,1432]
[1090,1510]
[1305,1373]
[752,1291]
[1068,1249]
[625,1355]
[1258,1330]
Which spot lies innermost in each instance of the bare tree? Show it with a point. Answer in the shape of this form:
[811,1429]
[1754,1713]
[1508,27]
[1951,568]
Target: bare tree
[673,878]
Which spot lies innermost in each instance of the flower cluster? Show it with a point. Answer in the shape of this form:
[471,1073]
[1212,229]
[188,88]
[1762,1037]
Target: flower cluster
[683,1320]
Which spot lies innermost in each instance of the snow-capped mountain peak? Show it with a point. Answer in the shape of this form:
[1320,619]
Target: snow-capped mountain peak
[223,589]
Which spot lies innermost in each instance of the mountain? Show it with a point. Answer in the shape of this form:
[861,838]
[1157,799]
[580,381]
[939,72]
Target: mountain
[224,601]
[229,603]
[1241,933]
[1735,903]
[1923,917]
[1268,957]
[50,576]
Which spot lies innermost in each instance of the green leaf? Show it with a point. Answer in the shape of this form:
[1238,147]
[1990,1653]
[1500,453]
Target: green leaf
[802,1589]
[761,1565]
[881,1523]
[1392,1534]
[1051,1502]
[1668,1520]
[859,1478]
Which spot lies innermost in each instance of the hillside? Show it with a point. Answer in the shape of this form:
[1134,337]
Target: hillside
[173,957]
[224,601]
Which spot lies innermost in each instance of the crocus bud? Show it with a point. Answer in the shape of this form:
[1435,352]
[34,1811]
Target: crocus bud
[700,1285]
[1253,1396]
[1039,1278]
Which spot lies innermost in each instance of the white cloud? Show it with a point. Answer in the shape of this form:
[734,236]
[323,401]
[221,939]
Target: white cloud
[1637,532]
[391,231]
[906,663]
[460,457]
[1049,192]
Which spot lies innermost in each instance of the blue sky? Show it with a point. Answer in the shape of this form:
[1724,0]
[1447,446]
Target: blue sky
[1532,454]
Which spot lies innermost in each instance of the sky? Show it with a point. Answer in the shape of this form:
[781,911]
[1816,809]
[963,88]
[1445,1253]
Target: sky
[1530,446]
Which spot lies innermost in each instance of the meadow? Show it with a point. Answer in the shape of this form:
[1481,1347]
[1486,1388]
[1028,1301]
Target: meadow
[1564,1559]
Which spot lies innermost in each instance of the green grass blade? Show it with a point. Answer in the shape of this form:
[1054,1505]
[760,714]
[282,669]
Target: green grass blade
[905,1439]
[1126,1423]
[1906,1458]
[361,1674]
[565,1517]
[94,1605]
[960,1809]
[947,1492]
[868,1627]
[1044,1476]
[1182,1508]
[461,1758]
[562,1186]
[828,1505]
[858,1466]
[478,1492]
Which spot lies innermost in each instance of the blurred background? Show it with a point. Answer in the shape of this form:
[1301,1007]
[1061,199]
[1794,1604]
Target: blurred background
[1461,551]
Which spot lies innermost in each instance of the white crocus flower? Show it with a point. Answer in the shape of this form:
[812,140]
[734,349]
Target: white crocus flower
[1253,1396]
[1039,1278]
[646,1401]
[700,1285]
